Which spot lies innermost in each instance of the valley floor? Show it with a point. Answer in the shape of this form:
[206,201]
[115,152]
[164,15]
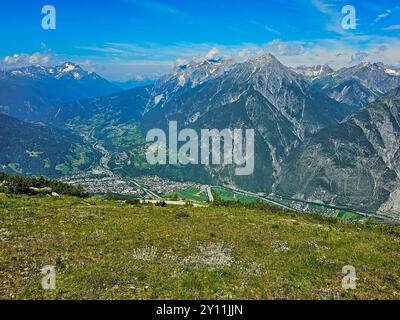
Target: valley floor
[112,250]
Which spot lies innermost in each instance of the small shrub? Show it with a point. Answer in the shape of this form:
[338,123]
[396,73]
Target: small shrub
[182,215]
[161,204]
[11,184]
[133,201]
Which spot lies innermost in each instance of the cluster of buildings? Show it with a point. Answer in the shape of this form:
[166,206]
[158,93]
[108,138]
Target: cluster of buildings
[165,186]
[103,184]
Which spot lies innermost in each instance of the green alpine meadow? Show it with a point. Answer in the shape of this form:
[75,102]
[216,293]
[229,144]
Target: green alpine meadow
[109,249]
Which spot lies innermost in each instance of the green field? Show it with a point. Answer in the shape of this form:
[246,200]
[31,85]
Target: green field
[191,193]
[229,195]
[108,249]
[350,216]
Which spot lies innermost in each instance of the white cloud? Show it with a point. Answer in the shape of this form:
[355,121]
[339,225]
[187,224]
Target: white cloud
[104,49]
[180,62]
[323,6]
[382,15]
[334,15]
[358,57]
[159,7]
[244,54]
[381,48]
[280,48]
[23,59]
[393,27]
[385,14]
[265,27]
[87,64]
[272,30]
[139,77]
[339,53]
[211,54]
[118,71]
[150,59]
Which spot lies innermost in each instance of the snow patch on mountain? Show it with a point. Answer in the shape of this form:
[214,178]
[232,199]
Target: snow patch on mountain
[158,98]
[67,69]
[314,71]
[392,72]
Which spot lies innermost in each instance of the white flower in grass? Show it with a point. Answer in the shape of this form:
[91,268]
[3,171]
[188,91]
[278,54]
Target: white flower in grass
[146,253]
[213,255]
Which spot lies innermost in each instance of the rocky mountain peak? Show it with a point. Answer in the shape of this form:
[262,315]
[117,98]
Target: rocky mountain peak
[266,59]
[188,75]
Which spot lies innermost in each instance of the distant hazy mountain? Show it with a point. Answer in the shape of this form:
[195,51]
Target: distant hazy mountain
[359,85]
[134,103]
[30,92]
[34,148]
[130,84]
[313,72]
[352,164]
[118,108]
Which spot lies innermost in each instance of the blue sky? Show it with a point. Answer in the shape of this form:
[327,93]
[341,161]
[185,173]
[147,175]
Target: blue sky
[123,39]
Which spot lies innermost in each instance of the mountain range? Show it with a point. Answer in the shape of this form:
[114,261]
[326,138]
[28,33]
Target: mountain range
[28,93]
[320,135]
[359,85]
[133,83]
[353,164]
[314,72]
[261,93]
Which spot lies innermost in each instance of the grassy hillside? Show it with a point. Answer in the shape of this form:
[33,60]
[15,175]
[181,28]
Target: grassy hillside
[37,149]
[109,249]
